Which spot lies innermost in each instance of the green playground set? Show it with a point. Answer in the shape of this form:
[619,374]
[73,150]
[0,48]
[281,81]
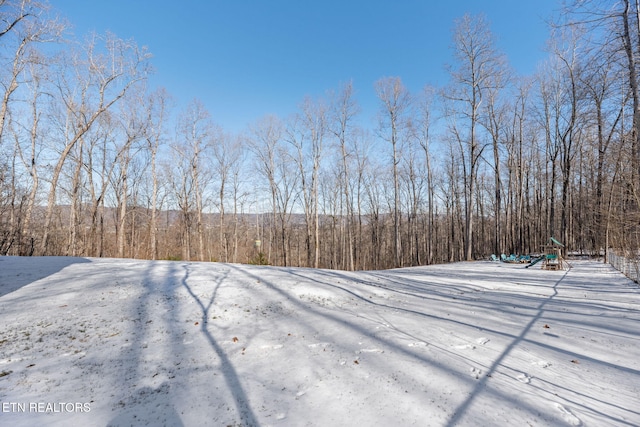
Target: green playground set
[550,259]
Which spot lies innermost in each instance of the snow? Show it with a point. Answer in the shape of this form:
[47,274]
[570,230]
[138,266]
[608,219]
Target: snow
[112,342]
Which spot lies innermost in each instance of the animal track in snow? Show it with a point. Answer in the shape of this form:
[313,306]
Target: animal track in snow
[418,344]
[271,346]
[568,416]
[465,347]
[475,373]
[479,341]
[524,378]
[319,344]
[370,350]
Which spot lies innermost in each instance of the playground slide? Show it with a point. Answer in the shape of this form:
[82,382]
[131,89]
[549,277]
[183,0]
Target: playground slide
[535,261]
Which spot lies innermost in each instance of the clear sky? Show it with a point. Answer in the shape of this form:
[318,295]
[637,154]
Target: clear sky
[247,58]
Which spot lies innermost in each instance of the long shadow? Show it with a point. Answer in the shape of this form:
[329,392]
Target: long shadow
[16,272]
[230,375]
[491,306]
[469,324]
[385,306]
[585,406]
[401,309]
[461,410]
[407,285]
[544,307]
[582,356]
[361,330]
[147,404]
[308,310]
[520,301]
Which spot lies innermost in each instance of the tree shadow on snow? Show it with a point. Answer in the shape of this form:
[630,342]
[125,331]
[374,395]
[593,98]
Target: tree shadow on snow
[145,361]
[231,377]
[340,322]
[545,309]
[16,272]
[148,406]
[531,308]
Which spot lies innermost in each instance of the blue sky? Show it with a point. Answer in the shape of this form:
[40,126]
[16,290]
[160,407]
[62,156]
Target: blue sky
[247,58]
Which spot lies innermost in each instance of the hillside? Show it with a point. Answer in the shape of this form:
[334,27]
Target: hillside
[121,342]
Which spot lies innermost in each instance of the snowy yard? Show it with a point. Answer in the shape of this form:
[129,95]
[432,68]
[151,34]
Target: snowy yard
[106,342]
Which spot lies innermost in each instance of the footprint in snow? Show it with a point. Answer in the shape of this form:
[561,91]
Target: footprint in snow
[319,344]
[524,378]
[370,350]
[479,341]
[271,346]
[475,373]
[568,416]
[466,347]
[418,344]
[543,363]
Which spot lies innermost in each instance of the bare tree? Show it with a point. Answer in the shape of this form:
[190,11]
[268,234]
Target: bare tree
[227,166]
[30,159]
[342,114]
[134,125]
[157,106]
[362,168]
[237,158]
[13,12]
[493,119]
[306,133]
[395,101]
[478,63]
[90,83]
[631,44]
[612,31]
[192,145]
[272,162]
[423,132]
[100,163]
[608,98]
[27,24]
[517,143]
[563,98]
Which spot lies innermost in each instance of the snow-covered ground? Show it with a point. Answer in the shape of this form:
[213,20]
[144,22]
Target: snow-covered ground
[107,342]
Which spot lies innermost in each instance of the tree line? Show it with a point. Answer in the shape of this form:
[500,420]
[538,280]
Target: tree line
[96,162]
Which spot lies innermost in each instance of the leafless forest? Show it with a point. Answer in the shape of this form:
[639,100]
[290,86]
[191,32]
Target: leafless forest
[96,162]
